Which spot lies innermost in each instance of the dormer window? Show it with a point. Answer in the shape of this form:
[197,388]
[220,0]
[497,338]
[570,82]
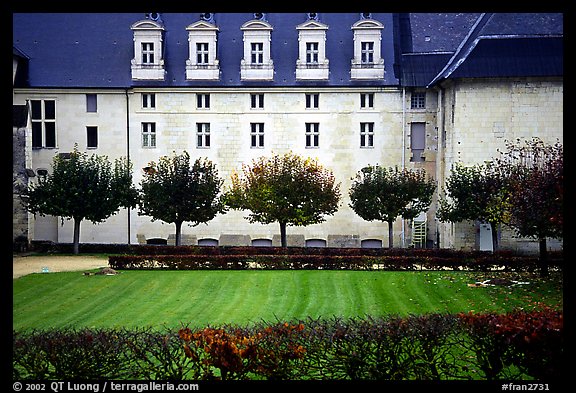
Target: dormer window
[312,62]
[202,63]
[257,64]
[367,62]
[148,62]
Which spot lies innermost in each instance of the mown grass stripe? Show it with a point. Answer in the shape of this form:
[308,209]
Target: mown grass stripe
[171,298]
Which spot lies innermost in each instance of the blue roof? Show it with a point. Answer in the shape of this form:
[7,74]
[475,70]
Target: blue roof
[419,49]
[95,50]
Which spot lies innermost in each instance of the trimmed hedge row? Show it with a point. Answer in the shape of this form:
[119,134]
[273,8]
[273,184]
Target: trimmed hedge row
[416,261]
[515,345]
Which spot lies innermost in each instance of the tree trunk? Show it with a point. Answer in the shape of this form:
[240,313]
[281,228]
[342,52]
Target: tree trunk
[494,230]
[543,259]
[283,234]
[178,240]
[390,234]
[77,222]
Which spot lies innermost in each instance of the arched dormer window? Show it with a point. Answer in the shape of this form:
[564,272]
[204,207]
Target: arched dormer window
[367,62]
[202,63]
[312,62]
[148,61]
[257,64]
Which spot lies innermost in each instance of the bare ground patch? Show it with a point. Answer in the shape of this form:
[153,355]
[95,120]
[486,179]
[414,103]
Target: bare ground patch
[23,265]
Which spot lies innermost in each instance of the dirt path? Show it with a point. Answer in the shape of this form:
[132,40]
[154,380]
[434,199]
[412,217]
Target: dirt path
[23,265]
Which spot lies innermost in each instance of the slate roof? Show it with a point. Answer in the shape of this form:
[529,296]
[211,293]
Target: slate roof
[509,44]
[95,50]
[419,49]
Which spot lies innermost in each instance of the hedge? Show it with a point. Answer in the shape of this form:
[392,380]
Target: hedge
[515,345]
[416,261]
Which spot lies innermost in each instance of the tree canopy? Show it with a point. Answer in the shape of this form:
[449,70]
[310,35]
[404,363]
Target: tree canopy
[175,192]
[476,192]
[287,189]
[384,194]
[82,187]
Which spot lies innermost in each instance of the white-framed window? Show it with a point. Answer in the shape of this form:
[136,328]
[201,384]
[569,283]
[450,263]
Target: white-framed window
[257,53]
[148,53]
[257,101]
[202,63]
[202,53]
[312,100]
[312,135]
[257,63]
[148,100]
[312,53]
[43,118]
[203,135]
[312,63]
[368,62]
[91,103]
[257,135]
[367,134]
[91,137]
[367,53]
[149,135]
[366,100]
[418,100]
[148,61]
[203,101]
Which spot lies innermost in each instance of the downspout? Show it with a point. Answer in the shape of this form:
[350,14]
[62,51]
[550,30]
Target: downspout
[128,149]
[402,234]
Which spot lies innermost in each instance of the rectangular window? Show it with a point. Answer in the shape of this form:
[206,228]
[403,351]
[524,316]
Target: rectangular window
[202,53]
[312,134]
[257,53]
[257,101]
[367,52]
[367,100]
[418,100]
[202,101]
[43,119]
[417,141]
[311,53]
[91,103]
[148,100]
[91,137]
[312,100]
[202,135]
[149,135]
[257,135]
[147,53]
[366,134]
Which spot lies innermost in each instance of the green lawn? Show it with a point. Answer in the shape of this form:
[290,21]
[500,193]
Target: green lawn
[158,298]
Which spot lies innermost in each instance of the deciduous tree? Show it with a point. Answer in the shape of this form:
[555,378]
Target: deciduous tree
[287,189]
[175,192]
[477,192]
[384,194]
[82,187]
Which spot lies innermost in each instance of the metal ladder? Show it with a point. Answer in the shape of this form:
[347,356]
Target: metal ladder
[418,233]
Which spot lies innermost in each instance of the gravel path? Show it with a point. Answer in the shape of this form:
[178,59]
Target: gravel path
[23,265]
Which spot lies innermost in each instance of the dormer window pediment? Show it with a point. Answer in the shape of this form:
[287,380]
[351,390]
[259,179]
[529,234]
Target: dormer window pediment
[202,25]
[256,25]
[146,25]
[367,24]
[312,25]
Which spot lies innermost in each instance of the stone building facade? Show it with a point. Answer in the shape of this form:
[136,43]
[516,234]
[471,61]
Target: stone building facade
[413,90]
